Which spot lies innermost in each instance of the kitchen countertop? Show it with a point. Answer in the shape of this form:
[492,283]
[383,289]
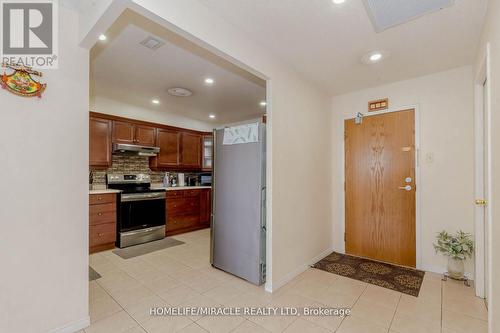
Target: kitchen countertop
[103,191]
[180,188]
[109,191]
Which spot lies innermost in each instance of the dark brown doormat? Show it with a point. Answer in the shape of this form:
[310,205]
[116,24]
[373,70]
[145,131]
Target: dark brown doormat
[402,279]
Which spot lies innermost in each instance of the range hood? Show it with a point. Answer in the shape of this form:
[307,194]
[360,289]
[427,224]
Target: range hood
[134,150]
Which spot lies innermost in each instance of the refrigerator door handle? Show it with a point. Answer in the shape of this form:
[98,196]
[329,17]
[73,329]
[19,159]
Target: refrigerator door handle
[263,209]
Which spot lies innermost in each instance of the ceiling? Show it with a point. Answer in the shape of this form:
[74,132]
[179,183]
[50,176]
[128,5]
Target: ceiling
[124,70]
[325,42]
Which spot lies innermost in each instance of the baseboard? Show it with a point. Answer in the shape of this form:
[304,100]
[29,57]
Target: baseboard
[296,272]
[73,327]
[441,270]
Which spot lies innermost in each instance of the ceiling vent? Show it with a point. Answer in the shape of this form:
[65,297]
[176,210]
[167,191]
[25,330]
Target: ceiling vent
[153,43]
[385,14]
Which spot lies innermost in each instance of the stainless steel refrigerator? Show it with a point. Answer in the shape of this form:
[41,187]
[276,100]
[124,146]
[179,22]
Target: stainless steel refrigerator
[238,208]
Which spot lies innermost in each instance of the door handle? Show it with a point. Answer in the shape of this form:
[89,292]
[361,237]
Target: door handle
[406,188]
[481,202]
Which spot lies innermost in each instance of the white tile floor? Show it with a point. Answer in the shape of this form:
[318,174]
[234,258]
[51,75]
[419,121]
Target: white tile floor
[120,301]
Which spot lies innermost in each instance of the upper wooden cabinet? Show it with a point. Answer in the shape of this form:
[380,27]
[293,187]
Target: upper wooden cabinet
[133,134]
[169,143]
[191,150]
[145,135]
[123,132]
[207,152]
[180,149]
[100,142]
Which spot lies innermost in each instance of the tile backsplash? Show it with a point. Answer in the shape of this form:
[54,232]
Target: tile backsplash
[123,164]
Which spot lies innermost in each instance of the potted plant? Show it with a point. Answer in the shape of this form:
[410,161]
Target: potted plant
[458,248]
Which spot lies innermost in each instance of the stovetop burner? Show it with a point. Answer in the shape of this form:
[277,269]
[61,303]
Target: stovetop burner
[131,183]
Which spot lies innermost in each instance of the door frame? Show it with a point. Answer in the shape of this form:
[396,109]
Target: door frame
[418,226]
[479,177]
[107,19]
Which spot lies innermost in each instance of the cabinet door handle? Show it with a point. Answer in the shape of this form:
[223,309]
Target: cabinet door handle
[100,234]
[99,214]
[99,198]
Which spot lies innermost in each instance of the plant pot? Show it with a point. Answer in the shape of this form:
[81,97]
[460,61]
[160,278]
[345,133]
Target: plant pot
[456,268]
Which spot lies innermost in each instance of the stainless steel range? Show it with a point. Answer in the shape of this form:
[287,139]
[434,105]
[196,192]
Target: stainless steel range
[142,213]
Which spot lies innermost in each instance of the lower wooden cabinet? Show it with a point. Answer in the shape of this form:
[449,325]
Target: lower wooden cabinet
[102,222]
[187,210]
[205,206]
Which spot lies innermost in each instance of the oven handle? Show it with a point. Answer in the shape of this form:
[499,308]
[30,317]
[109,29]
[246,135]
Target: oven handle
[143,197]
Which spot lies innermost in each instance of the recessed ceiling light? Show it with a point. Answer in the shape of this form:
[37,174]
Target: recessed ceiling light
[211,116]
[374,57]
[263,103]
[155,101]
[209,81]
[338,2]
[102,37]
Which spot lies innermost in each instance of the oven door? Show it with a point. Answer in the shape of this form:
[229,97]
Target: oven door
[142,210]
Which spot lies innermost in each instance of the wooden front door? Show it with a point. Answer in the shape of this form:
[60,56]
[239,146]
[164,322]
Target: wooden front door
[380,200]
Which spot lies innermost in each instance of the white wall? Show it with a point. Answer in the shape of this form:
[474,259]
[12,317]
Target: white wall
[298,140]
[445,103]
[44,197]
[491,35]
[113,107]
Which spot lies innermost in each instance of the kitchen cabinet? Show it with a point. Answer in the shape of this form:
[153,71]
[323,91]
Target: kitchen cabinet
[133,134]
[145,135]
[180,149]
[169,143]
[207,152]
[100,143]
[191,150]
[123,132]
[102,222]
[205,206]
[187,210]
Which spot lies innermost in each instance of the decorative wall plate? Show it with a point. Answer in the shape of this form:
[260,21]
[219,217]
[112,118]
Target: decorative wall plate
[21,82]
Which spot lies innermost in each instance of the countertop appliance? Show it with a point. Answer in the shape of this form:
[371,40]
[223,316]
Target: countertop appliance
[238,235]
[206,179]
[142,211]
[192,180]
[181,180]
